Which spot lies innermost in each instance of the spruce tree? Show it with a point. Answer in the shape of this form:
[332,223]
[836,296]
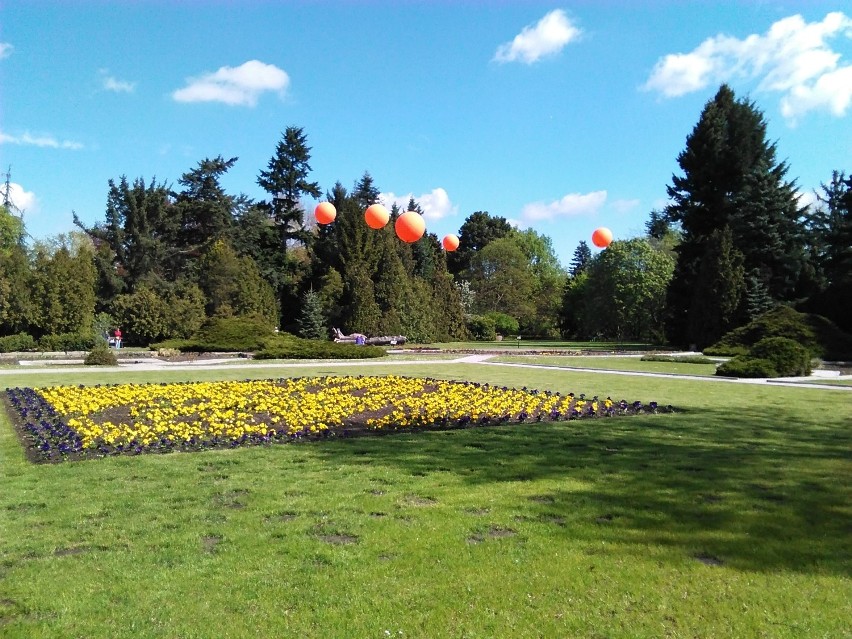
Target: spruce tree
[731,178]
[580,260]
[311,320]
[286,181]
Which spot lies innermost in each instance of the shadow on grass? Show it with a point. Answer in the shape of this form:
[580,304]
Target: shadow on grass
[732,487]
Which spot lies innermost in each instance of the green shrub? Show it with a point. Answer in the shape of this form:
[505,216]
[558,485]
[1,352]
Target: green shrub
[17,343]
[223,335]
[816,333]
[101,355]
[787,357]
[725,350]
[81,341]
[744,366]
[285,346]
[685,359]
[504,324]
[481,328]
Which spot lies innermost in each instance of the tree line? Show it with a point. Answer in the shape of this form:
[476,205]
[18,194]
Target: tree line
[733,242]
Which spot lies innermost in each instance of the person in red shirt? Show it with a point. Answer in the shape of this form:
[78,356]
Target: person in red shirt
[117,338]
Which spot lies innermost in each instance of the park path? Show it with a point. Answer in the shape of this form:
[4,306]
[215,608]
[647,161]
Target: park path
[68,366]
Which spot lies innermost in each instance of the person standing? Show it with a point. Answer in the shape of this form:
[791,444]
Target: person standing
[117,336]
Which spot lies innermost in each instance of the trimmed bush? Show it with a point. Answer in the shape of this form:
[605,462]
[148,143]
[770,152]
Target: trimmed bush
[254,335]
[81,341]
[819,335]
[686,359]
[101,355]
[285,346]
[481,328]
[744,366]
[787,357]
[17,343]
[223,335]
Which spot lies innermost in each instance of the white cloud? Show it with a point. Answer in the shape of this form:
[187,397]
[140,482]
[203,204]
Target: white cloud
[47,141]
[25,201]
[235,86]
[808,198]
[5,50]
[571,205]
[548,37]
[832,90]
[792,58]
[435,204]
[111,83]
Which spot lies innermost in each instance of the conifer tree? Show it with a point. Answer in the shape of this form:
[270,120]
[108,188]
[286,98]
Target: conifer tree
[311,320]
[581,258]
[731,178]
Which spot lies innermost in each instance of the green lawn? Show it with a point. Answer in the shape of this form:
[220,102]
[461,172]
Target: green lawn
[512,343]
[728,519]
[829,381]
[611,363]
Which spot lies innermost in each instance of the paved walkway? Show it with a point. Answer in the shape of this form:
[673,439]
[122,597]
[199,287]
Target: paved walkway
[149,364]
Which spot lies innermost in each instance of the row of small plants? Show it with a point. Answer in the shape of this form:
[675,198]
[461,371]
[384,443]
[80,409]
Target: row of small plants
[23,342]
[73,422]
[236,334]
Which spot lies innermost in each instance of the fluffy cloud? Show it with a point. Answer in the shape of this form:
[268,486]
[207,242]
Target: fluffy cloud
[236,86]
[25,201]
[571,205]
[808,198]
[47,141]
[111,83]
[5,50]
[435,204]
[547,37]
[792,58]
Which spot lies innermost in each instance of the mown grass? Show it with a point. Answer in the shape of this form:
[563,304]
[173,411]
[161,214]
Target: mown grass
[828,381]
[511,343]
[730,518]
[635,364]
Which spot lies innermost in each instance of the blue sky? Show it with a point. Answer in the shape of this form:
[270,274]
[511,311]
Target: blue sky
[559,117]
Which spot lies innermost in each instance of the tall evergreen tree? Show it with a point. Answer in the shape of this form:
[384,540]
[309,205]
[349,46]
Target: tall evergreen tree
[830,226]
[834,228]
[311,320]
[366,192]
[206,210]
[731,179]
[581,258]
[658,225]
[140,229]
[286,181]
[722,285]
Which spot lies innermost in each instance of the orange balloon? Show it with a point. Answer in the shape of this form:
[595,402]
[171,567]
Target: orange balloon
[325,213]
[602,237]
[377,216]
[410,226]
[450,242]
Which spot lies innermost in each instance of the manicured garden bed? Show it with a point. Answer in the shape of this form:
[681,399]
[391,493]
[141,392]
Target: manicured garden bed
[72,422]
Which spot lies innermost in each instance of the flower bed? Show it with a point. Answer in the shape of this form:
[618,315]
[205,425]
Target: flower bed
[72,422]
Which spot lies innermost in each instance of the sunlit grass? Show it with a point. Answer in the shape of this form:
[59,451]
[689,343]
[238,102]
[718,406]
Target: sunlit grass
[611,363]
[728,519]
